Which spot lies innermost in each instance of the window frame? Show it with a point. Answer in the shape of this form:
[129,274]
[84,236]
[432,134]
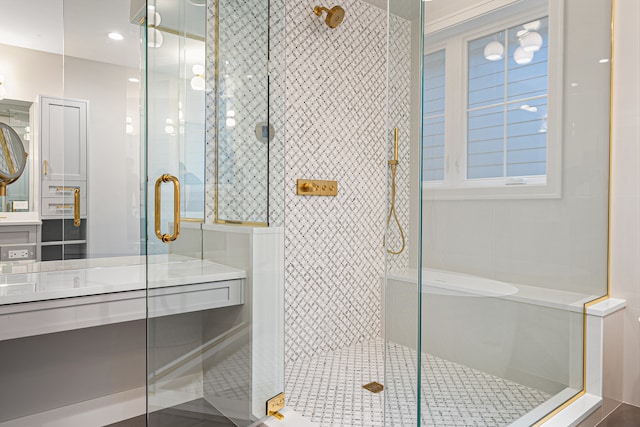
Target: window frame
[455,185]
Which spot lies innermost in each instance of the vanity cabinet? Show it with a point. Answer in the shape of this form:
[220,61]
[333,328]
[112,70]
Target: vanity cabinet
[63,167]
[18,241]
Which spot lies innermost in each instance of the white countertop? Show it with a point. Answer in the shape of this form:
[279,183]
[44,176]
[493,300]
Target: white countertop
[40,281]
[19,218]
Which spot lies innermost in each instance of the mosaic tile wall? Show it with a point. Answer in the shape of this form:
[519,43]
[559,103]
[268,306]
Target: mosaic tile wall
[243,96]
[399,116]
[335,107]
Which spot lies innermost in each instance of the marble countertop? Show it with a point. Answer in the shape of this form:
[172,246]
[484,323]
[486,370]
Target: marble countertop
[19,218]
[41,281]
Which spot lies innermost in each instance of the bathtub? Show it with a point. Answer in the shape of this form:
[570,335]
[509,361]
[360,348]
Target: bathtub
[522,333]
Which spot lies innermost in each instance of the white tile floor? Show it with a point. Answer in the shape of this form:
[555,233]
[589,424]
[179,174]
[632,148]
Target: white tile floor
[328,390]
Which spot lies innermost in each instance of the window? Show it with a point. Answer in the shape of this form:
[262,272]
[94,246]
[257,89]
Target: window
[487,126]
[433,120]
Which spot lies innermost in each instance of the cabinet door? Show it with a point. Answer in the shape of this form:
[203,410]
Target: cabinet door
[64,139]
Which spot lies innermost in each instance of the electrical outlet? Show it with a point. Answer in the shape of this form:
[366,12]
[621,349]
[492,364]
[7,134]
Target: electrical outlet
[19,254]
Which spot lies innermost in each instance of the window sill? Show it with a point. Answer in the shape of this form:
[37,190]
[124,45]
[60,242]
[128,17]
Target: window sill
[432,191]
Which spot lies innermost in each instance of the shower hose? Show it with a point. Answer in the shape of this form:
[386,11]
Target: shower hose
[392,209]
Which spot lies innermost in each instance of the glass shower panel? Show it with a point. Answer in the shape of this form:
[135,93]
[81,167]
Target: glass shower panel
[401,307]
[243,135]
[207,88]
[515,222]
[74,237]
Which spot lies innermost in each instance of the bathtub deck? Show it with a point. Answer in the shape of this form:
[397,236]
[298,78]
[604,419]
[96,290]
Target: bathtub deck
[328,390]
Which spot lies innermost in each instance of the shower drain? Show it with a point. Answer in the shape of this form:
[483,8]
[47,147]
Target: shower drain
[374,387]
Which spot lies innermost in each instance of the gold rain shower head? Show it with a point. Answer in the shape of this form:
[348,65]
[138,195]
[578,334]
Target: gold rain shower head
[335,15]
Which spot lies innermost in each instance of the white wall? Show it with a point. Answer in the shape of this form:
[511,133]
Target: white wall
[113,156]
[625,200]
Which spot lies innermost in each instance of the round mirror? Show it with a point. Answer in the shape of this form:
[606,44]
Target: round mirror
[13,158]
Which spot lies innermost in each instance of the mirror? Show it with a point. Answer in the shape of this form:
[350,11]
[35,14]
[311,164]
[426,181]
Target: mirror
[13,159]
[73,92]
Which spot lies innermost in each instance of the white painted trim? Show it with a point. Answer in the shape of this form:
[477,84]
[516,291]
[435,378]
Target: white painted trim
[242,229]
[576,412]
[101,411]
[584,406]
[606,307]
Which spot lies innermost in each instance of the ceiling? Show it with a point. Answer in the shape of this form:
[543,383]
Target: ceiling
[79,28]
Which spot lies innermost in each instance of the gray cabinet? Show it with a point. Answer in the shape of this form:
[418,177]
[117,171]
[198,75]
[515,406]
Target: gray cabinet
[63,140]
[18,242]
[63,171]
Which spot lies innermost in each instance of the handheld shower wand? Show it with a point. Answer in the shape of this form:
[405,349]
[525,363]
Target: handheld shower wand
[392,210]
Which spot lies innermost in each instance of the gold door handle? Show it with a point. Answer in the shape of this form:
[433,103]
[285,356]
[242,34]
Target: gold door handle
[76,207]
[45,167]
[166,238]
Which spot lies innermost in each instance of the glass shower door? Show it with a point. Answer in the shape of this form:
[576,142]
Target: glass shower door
[209,358]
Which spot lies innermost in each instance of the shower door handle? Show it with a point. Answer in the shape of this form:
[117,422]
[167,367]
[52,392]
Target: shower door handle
[166,238]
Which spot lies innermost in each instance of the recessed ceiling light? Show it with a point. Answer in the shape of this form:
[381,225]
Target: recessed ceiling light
[134,80]
[604,60]
[116,36]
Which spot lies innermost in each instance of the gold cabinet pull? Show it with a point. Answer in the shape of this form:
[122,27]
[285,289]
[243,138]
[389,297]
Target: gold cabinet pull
[65,189]
[65,207]
[45,167]
[76,207]
[166,238]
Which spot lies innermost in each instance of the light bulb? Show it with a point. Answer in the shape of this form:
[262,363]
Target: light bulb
[522,57]
[198,70]
[494,51]
[115,36]
[153,19]
[230,122]
[197,83]
[531,42]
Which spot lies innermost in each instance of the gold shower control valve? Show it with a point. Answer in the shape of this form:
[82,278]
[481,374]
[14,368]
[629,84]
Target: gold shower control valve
[314,187]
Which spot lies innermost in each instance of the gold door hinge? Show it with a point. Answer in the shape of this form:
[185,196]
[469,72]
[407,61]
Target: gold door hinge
[274,405]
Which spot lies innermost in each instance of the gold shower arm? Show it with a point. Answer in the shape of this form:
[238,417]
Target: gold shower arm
[319,9]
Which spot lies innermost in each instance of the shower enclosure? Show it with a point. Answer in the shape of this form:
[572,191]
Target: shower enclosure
[166,258]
